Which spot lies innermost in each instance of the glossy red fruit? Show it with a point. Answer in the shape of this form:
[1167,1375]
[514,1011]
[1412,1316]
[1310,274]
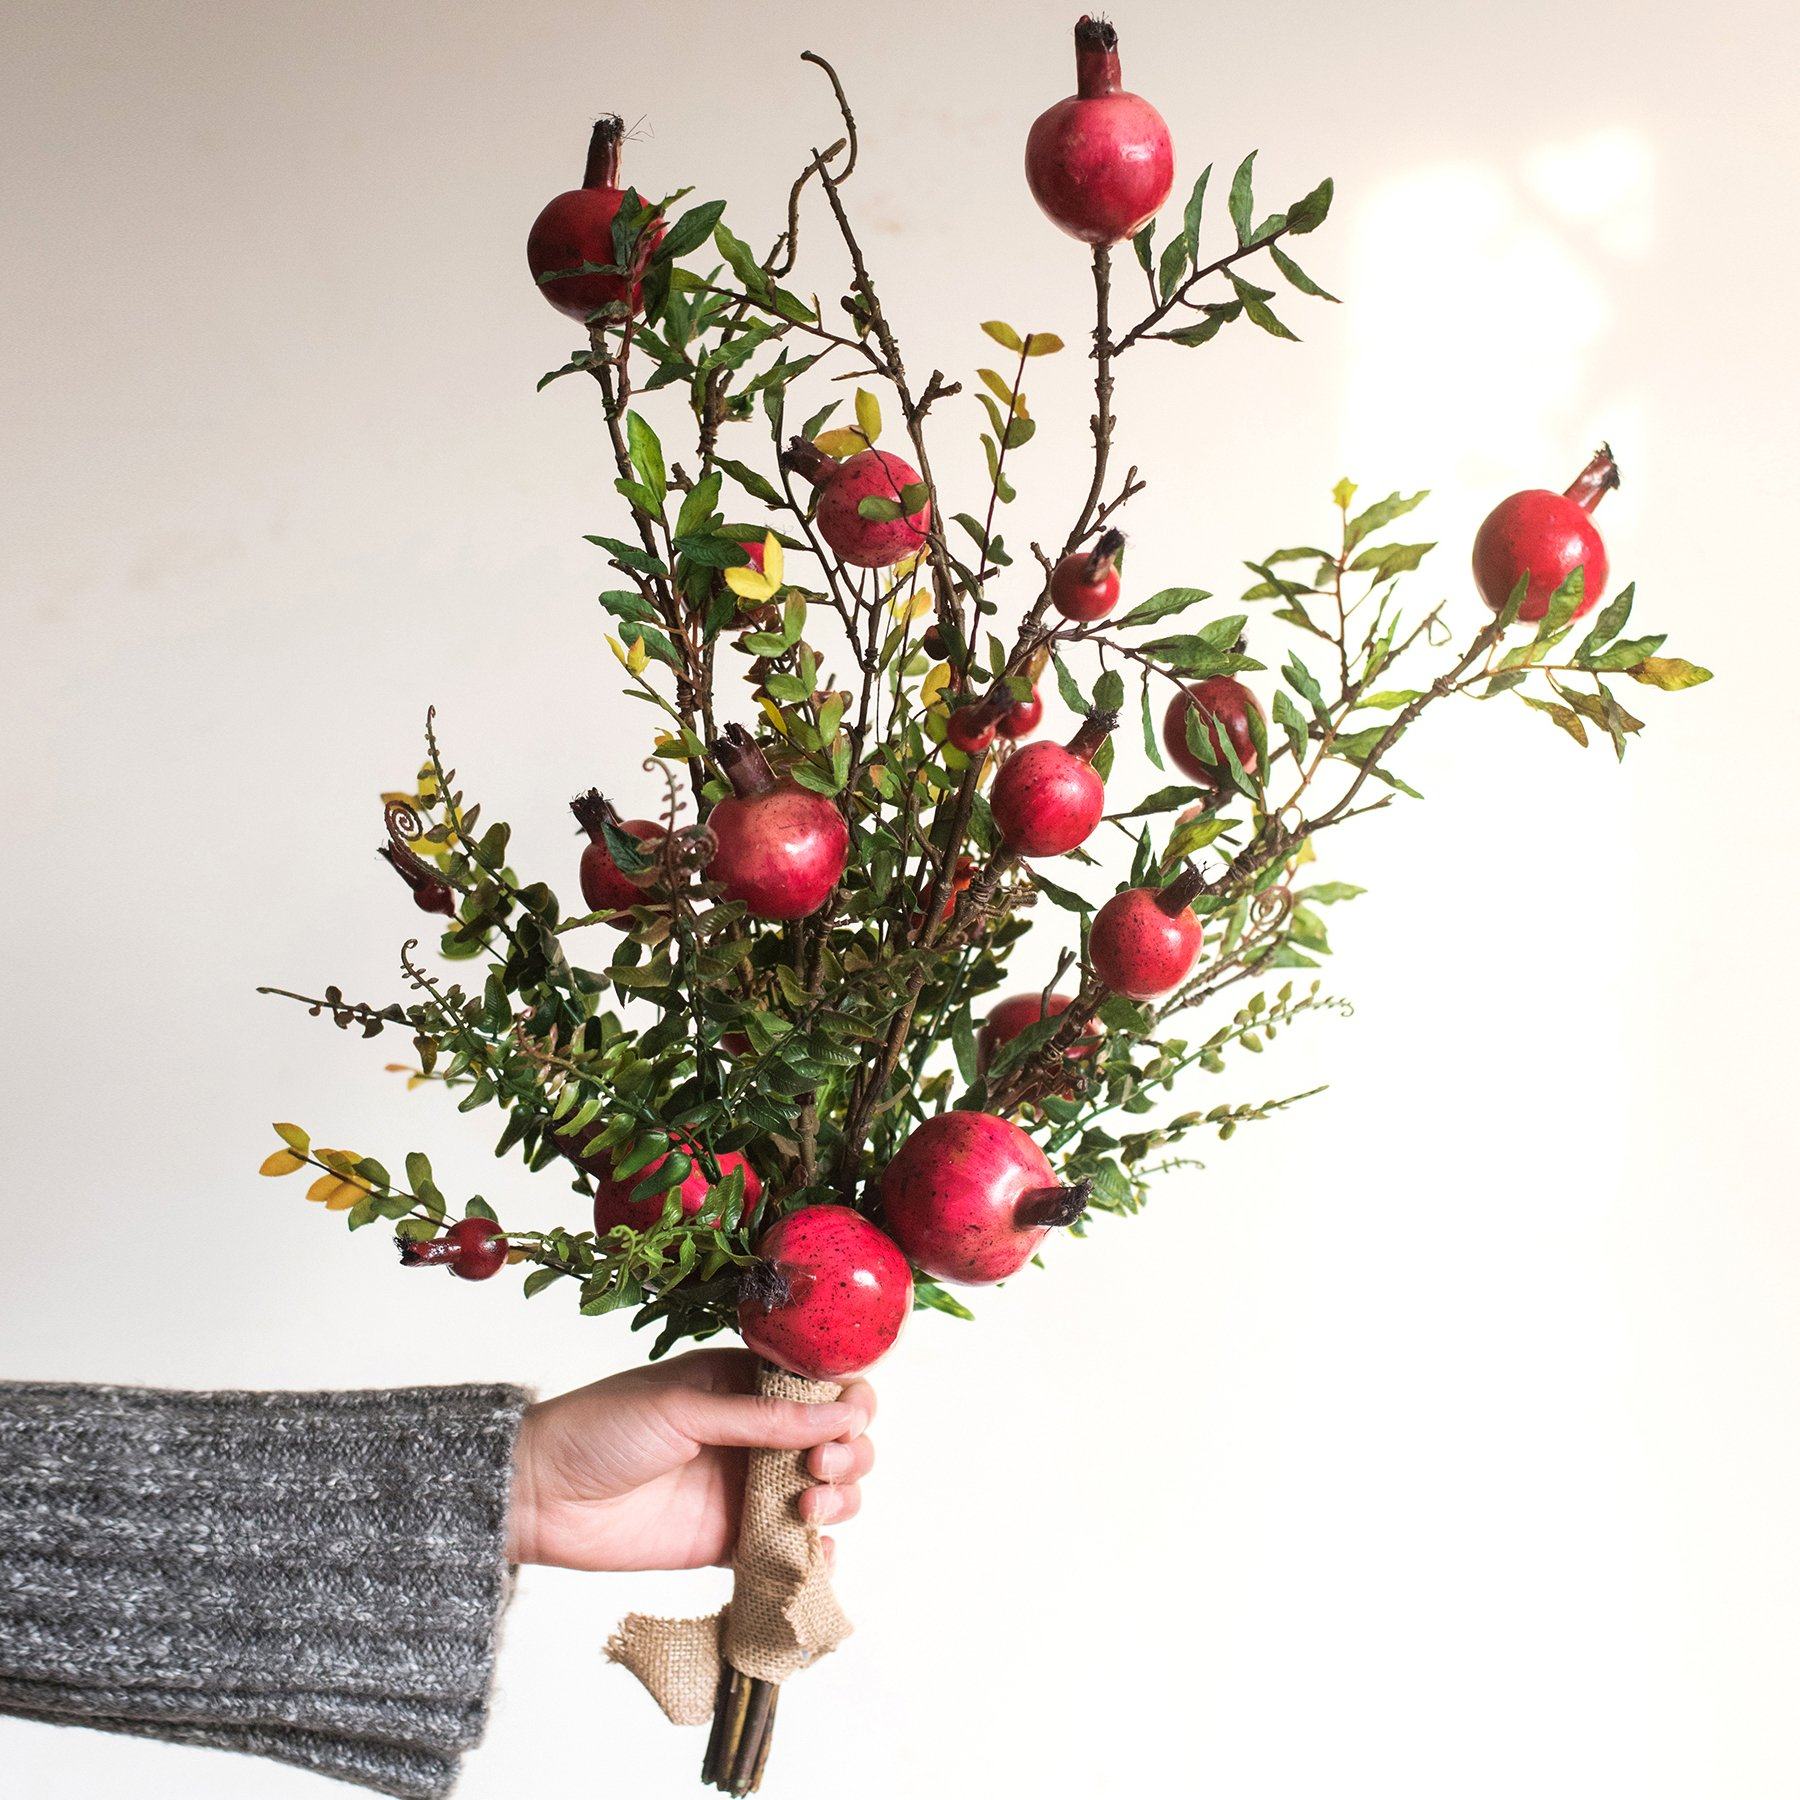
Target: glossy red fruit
[1099,163]
[1048,799]
[1547,537]
[972,725]
[576,228]
[827,1295]
[843,486]
[1145,942]
[613,1204]
[1013,1014]
[1023,717]
[1085,584]
[1221,702]
[780,848]
[604,885]
[969,1197]
[471,1248]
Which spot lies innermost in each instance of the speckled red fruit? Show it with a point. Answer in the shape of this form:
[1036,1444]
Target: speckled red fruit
[969,1198]
[1008,1017]
[613,1204]
[828,1296]
[1023,717]
[1048,799]
[843,486]
[576,228]
[604,885]
[1085,584]
[1547,537]
[1144,943]
[1221,702]
[473,1249]
[1100,162]
[779,848]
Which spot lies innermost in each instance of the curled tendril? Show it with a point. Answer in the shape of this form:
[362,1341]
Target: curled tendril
[405,828]
[683,851]
[1270,909]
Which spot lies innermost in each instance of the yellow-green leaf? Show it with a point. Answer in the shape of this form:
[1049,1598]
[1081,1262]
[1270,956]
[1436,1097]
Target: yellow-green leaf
[1043,343]
[1002,334]
[747,583]
[294,1138]
[997,385]
[844,441]
[1670,673]
[868,414]
[1344,493]
[282,1162]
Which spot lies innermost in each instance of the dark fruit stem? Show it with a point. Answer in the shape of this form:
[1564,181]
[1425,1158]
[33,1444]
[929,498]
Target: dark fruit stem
[807,460]
[1104,555]
[1176,897]
[1054,1205]
[1591,485]
[1095,729]
[742,762]
[1096,59]
[417,1253]
[594,812]
[603,152]
[766,1285]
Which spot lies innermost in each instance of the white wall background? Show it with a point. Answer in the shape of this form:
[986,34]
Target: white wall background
[1440,1439]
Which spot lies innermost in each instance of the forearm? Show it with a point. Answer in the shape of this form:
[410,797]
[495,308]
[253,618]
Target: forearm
[312,1577]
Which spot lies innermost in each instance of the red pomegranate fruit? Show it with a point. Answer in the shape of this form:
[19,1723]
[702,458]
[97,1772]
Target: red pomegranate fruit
[613,1204]
[1547,537]
[471,1248]
[1223,704]
[1048,799]
[827,1295]
[1013,1014]
[843,486]
[576,228]
[780,849]
[1100,162]
[969,1198]
[1085,584]
[1022,718]
[604,885]
[1144,942]
[971,727]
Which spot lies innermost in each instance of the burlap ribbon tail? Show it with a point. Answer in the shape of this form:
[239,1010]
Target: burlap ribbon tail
[782,1615]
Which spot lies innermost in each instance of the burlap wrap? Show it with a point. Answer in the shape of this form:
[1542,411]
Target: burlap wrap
[783,1614]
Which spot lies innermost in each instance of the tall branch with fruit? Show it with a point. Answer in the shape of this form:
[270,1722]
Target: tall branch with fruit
[773,1056]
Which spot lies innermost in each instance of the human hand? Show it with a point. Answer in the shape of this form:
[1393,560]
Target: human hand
[645,1470]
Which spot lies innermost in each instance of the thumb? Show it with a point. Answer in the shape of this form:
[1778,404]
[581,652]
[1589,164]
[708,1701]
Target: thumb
[761,1422]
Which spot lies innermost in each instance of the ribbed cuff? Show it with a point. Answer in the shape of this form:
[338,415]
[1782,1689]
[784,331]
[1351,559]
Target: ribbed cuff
[316,1578]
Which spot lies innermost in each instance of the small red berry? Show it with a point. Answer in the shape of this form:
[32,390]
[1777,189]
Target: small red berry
[1220,701]
[1144,943]
[472,1248]
[827,1295]
[613,1204]
[1546,537]
[971,727]
[576,228]
[1085,584]
[1017,1011]
[1048,798]
[1023,717]
[1100,162]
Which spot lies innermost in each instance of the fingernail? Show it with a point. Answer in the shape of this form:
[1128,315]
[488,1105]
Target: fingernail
[834,1460]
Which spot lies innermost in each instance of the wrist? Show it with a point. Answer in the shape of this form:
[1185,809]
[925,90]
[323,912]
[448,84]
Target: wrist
[522,1500]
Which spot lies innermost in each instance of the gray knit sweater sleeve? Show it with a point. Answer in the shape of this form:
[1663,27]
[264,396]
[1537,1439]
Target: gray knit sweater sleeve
[311,1577]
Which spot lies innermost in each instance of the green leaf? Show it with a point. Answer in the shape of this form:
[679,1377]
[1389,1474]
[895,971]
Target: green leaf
[647,456]
[1109,691]
[962,1041]
[1064,897]
[1627,653]
[1066,685]
[1151,747]
[1257,310]
[691,230]
[1240,202]
[1562,606]
[1173,265]
[1309,214]
[1389,699]
[1162,603]
[880,507]
[1292,721]
[1297,276]
[929,1294]
[1611,622]
[1003,335]
[1217,316]
[751,482]
[1383,512]
[1190,218]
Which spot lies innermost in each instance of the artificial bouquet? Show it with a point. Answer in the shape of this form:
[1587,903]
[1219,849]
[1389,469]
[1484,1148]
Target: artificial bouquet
[773,1055]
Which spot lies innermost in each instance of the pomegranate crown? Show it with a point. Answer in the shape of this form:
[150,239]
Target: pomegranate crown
[594,812]
[603,152]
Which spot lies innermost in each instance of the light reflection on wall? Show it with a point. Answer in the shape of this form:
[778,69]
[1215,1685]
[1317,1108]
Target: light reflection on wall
[1484,296]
